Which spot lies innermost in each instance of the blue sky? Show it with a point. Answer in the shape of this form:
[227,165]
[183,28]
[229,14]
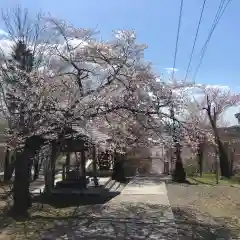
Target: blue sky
[155,22]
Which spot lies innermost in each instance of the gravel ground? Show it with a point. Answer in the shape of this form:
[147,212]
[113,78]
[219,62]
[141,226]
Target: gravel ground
[205,212]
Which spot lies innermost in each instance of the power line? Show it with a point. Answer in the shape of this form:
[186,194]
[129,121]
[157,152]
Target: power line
[172,112]
[177,38]
[195,39]
[215,21]
[219,14]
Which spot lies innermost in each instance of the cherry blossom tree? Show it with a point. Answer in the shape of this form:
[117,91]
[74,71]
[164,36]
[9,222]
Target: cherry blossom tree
[108,78]
[26,98]
[215,101]
[198,130]
[71,78]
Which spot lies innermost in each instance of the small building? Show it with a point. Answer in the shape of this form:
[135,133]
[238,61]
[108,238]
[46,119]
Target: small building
[237,115]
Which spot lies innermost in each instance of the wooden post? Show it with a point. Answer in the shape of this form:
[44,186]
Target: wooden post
[46,166]
[63,172]
[95,166]
[83,167]
[50,171]
[167,167]
[217,167]
[48,176]
[231,159]
[67,163]
[78,161]
[6,165]
[53,163]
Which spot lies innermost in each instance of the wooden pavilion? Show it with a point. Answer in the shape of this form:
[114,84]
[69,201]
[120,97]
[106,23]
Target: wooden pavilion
[82,143]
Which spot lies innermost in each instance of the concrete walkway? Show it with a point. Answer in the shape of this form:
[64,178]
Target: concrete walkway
[141,211]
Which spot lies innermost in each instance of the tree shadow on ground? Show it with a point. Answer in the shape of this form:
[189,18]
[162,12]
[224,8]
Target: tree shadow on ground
[201,182]
[192,227]
[122,221]
[74,199]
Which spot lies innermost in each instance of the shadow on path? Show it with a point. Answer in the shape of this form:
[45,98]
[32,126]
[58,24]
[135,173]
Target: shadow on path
[128,221]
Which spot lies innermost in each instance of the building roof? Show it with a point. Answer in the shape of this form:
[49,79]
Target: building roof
[237,115]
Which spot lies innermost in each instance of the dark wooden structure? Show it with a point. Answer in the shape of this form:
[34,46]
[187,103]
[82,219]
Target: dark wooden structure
[69,142]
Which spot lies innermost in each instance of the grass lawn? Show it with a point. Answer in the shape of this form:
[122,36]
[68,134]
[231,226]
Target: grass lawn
[210,179]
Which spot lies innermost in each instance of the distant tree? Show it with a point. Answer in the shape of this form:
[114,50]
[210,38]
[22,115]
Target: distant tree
[214,101]
[197,117]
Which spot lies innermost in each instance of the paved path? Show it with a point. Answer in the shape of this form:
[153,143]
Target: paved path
[141,211]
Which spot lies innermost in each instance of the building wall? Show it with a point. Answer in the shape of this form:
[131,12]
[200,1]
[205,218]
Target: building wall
[158,158]
[233,151]
[150,159]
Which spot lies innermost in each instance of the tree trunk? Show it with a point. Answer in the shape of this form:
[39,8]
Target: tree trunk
[21,195]
[179,174]
[118,168]
[223,160]
[23,165]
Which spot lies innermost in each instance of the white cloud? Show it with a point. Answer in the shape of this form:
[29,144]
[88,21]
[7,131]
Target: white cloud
[170,70]
[223,87]
[229,115]
[122,35]
[2,32]
[6,46]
